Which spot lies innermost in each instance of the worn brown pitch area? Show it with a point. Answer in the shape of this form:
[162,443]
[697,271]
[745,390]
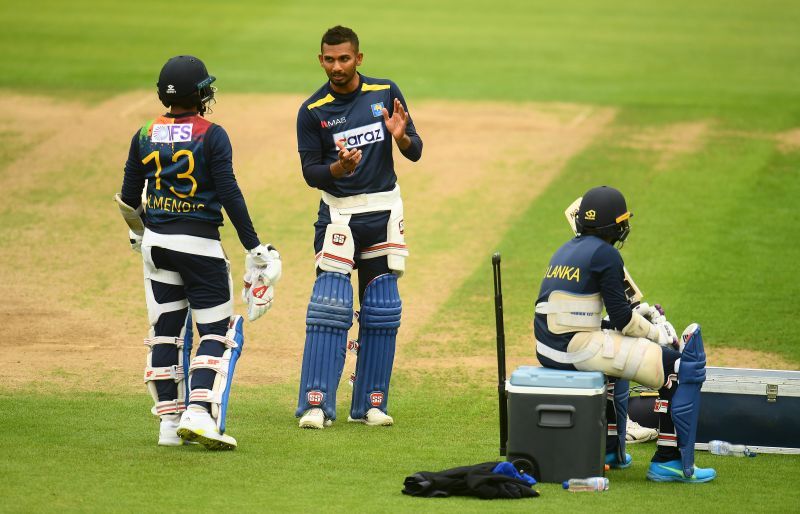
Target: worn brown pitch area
[73,306]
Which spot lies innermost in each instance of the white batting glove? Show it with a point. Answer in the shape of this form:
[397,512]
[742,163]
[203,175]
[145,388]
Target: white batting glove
[262,271]
[258,296]
[664,334]
[646,311]
[658,334]
[672,334]
[267,258]
[136,241]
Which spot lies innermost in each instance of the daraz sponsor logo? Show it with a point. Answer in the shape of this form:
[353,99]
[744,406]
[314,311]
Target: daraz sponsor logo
[361,136]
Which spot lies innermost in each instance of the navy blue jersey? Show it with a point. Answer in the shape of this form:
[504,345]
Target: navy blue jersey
[356,117]
[584,265]
[186,161]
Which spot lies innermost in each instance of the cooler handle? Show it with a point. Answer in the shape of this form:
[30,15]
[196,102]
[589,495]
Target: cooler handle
[555,416]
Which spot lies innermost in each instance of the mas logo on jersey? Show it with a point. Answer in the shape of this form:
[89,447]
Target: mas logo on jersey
[315,397]
[361,136]
[338,239]
[376,398]
[333,123]
[172,133]
[377,109]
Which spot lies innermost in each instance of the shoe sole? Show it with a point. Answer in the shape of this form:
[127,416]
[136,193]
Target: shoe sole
[365,422]
[311,426]
[661,478]
[191,436]
[315,426]
[168,442]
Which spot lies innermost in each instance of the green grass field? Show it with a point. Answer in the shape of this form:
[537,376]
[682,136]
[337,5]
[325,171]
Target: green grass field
[714,237]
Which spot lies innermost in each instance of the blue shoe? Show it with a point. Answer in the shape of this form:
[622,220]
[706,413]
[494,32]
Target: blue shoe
[672,471]
[611,460]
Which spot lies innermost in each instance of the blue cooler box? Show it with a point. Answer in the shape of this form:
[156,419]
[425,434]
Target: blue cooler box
[557,421]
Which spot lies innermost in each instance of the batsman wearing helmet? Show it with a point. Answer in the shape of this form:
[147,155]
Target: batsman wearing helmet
[635,342]
[344,135]
[184,164]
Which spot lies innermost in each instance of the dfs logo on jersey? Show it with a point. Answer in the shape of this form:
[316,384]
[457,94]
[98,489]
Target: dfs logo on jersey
[172,133]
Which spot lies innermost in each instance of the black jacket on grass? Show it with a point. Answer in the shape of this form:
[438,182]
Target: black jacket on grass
[479,480]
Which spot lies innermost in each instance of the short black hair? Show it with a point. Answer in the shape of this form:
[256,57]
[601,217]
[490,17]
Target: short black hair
[338,35]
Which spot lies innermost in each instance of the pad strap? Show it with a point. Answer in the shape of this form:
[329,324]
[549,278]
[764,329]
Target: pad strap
[230,343]
[169,407]
[164,373]
[203,395]
[177,341]
[218,364]
[569,357]
[568,312]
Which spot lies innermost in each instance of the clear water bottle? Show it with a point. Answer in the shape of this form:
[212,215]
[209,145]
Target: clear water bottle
[725,448]
[591,484]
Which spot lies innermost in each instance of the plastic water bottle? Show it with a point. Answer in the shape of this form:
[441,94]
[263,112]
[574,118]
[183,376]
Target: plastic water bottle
[591,484]
[725,448]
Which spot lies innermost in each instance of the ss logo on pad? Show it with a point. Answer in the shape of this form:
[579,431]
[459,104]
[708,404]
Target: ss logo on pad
[338,239]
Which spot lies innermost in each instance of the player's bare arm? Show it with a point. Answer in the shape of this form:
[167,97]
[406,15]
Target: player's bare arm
[396,124]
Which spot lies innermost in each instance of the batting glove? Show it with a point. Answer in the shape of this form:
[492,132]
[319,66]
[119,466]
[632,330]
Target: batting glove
[258,296]
[268,259]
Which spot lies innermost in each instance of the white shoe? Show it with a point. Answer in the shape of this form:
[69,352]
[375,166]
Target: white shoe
[314,418]
[374,418]
[198,425]
[636,433]
[167,433]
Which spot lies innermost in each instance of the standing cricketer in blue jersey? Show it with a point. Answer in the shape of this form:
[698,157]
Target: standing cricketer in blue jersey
[182,162]
[344,135]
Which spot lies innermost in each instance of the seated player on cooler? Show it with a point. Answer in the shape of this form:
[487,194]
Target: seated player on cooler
[587,275]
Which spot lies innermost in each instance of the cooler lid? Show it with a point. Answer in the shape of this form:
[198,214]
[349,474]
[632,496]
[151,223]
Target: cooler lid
[535,376]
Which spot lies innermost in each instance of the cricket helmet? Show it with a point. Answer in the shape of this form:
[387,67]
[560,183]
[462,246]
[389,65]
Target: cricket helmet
[604,213]
[184,79]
